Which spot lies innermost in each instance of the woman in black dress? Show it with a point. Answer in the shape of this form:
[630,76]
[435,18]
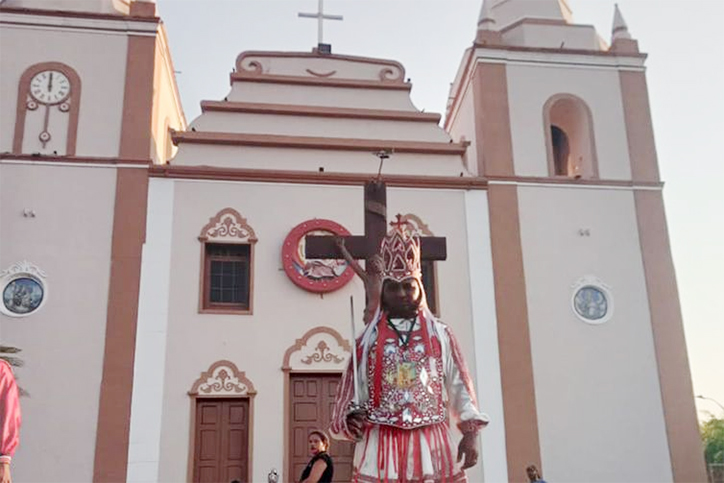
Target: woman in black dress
[320,468]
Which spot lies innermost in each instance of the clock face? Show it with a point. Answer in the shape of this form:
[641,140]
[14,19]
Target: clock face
[50,87]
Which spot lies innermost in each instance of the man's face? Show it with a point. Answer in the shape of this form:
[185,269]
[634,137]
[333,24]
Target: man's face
[533,473]
[401,299]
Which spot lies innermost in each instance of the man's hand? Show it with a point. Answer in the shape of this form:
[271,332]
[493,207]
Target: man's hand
[356,422]
[5,473]
[468,448]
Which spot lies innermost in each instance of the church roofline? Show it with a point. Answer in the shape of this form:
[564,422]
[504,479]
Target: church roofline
[323,143]
[320,111]
[75,160]
[212,173]
[564,51]
[321,81]
[312,177]
[76,14]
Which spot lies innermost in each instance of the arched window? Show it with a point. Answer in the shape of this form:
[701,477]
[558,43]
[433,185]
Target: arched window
[569,137]
[561,151]
[227,264]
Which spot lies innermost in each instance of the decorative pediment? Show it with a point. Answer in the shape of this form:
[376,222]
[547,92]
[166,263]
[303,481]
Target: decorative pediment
[222,379]
[228,226]
[315,65]
[320,349]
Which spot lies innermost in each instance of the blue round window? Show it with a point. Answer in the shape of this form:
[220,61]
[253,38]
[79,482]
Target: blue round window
[23,295]
[590,303]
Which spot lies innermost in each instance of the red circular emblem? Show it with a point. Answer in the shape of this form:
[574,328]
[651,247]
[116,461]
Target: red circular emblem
[315,275]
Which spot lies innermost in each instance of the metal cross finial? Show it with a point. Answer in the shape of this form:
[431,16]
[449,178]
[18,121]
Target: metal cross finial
[321,17]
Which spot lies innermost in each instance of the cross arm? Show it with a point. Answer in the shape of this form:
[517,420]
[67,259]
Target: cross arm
[432,247]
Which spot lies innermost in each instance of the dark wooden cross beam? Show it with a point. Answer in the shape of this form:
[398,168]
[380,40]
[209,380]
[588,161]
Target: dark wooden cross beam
[367,245]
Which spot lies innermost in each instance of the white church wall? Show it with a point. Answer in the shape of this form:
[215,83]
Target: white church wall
[463,126]
[282,312]
[546,35]
[98,57]
[320,127]
[530,86]
[507,13]
[485,336]
[69,238]
[167,112]
[151,334]
[300,95]
[596,386]
[252,157]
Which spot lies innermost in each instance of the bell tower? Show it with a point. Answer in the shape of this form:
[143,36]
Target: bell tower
[94,81]
[87,96]
[592,351]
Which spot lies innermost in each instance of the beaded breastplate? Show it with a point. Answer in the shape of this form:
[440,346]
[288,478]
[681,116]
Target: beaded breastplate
[406,378]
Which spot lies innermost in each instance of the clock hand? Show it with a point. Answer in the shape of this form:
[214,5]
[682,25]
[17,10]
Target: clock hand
[50,82]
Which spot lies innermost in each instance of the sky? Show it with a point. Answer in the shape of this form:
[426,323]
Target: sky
[686,88]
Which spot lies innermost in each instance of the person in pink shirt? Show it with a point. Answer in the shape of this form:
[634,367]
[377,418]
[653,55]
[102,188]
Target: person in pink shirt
[9,420]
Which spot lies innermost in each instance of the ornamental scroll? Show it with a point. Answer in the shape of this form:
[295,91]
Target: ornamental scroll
[320,349]
[222,379]
[228,226]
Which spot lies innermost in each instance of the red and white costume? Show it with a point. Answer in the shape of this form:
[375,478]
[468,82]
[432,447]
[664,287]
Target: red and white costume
[9,413]
[409,387]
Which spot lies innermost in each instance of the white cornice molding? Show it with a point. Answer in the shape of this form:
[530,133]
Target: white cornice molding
[70,23]
[561,59]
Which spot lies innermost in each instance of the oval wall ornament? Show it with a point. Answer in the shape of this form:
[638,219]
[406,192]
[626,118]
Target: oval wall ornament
[24,289]
[314,275]
[592,300]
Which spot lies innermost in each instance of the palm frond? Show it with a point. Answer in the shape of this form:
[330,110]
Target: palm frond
[13,361]
[6,349]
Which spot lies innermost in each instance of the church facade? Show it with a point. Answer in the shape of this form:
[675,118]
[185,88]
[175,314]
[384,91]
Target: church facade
[154,271]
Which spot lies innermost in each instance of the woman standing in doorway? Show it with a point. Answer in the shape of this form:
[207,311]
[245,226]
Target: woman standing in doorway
[320,468]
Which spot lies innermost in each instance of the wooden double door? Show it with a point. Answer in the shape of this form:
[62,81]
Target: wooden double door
[311,402]
[221,449]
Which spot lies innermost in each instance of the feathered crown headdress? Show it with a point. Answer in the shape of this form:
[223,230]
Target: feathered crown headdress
[400,252]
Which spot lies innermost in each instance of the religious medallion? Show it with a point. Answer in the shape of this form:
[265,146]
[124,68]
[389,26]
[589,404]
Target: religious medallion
[314,275]
[24,289]
[591,300]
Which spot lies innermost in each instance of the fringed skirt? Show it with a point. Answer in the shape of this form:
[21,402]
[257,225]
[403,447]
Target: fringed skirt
[392,455]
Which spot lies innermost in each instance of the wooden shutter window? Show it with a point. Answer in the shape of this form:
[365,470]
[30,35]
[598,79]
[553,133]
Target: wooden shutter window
[227,276]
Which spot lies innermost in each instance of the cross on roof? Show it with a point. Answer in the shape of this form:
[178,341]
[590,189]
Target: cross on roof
[321,17]
[367,245]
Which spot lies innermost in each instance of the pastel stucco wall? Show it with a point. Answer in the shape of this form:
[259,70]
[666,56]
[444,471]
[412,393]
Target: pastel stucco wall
[530,86]
[98,57]
[320,127]
[463,126]
[167,111]
[321,96]
[596,386]
[282,312]
[63,342]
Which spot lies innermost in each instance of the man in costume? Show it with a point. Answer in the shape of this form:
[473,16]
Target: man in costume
[9,419]
[411,379]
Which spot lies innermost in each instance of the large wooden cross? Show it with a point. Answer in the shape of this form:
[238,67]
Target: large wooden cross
[367,245]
